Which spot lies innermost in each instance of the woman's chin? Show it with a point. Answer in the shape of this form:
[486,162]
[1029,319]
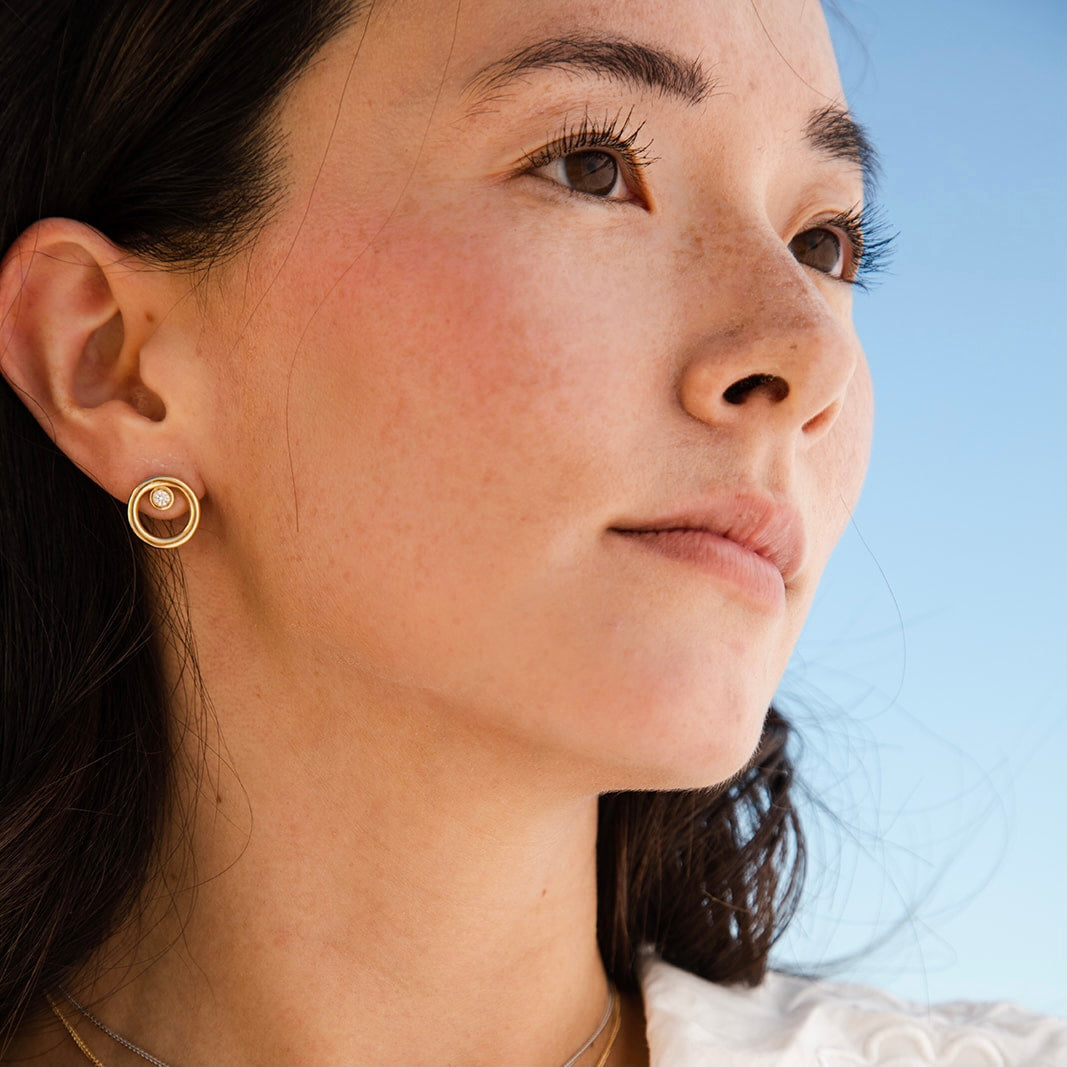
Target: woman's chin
[691,727]
[663,742]
[692,755]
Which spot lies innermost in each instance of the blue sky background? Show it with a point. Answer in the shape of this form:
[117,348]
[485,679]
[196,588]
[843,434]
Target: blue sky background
[930,683]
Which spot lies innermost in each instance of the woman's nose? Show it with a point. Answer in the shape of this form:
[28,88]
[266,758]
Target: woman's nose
[778,353]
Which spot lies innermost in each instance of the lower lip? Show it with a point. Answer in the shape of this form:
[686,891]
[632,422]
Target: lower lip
[747,571]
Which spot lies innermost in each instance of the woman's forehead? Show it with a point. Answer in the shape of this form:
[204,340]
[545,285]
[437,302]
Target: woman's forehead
[735,42]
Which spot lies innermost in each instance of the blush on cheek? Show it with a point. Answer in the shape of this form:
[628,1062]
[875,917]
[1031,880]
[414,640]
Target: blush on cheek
[474,333]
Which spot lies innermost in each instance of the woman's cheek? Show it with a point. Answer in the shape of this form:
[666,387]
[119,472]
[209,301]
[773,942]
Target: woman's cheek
[832,477]
[482,336]
[854,439]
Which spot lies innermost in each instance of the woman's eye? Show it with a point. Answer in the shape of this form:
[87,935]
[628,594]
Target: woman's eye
[590,171]
[821,249]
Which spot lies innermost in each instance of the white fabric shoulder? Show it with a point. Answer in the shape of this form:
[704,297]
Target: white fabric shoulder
[794,1022]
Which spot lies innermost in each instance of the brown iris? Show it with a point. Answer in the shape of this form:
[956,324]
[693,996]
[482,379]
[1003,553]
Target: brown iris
[591,172]
[820,249]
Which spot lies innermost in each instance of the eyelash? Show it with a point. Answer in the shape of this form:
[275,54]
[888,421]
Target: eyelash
[869,239]
[611,135]
[864,229]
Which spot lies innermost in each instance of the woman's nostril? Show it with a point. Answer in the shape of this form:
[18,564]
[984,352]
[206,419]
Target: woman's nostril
[772,386]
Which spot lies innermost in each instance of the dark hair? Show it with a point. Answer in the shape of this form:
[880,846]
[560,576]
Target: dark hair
[151,121]
[707,877]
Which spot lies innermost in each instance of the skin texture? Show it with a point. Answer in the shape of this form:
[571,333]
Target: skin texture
[417,409]
[458,380]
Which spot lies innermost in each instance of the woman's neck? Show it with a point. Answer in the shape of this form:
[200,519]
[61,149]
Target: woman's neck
[357,894]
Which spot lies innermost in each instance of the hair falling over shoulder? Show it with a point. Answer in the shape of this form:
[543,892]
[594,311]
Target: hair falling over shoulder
[127,115]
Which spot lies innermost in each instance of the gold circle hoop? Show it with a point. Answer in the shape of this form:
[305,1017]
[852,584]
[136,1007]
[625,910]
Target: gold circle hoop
[161,493]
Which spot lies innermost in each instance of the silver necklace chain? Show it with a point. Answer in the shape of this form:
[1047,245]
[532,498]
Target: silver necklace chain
[609,1009]
[149,1058]
[104,1028]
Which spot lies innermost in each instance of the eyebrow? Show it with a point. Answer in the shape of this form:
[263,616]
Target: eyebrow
[834,133]
[619,59]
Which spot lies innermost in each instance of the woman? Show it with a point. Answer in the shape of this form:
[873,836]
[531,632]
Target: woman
[459,404]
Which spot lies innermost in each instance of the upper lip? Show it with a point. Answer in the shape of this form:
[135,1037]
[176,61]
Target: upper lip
[771,528]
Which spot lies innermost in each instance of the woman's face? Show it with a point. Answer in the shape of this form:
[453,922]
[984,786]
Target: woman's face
[539,407]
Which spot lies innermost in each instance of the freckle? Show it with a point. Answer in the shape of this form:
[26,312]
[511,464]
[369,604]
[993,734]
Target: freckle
[694,240]
[149,317]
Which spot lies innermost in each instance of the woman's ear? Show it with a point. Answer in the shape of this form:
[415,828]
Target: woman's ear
[81,323]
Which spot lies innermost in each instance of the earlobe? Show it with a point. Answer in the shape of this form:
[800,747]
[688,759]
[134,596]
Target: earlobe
[77,317]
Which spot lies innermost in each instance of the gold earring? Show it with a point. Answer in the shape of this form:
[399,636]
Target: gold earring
[160,493]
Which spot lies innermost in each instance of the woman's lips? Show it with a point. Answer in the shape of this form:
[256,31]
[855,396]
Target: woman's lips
[752,573]
[749,541]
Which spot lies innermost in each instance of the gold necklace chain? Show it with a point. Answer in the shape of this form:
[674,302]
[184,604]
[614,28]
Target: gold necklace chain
[616,1023]
[83,1048]
[69,1027]
[104,1029]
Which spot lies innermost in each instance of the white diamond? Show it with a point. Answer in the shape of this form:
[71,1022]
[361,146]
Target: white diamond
[162,498]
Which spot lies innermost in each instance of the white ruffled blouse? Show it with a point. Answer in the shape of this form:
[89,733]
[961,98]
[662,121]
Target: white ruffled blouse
[794,1022]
